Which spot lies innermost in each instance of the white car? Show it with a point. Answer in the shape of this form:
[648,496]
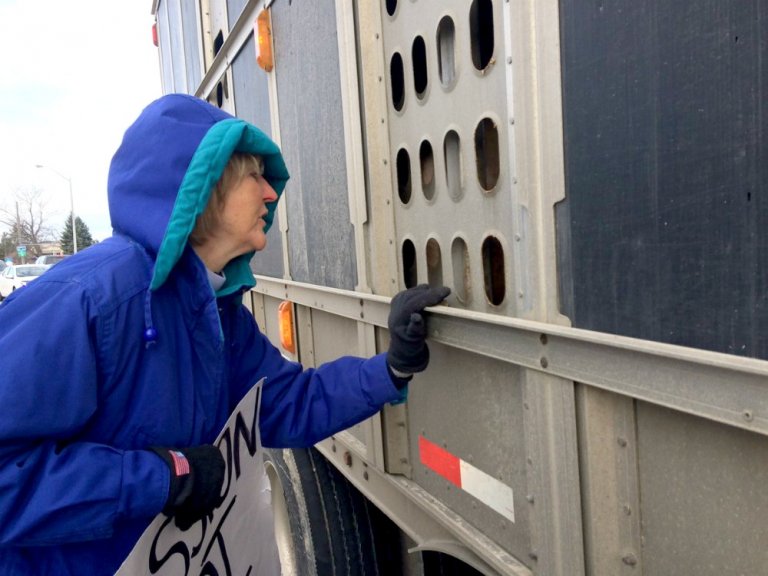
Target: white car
[18,276]
[50,259]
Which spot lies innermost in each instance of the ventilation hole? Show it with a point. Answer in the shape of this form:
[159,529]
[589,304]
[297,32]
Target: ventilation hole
[460,262]
[427,160]
[218,42]
[397,81]
[419,59]
[391,7]
[446,59]
[434,263]
[487,154]
[220,94]
[404,175]
[493,270]
[410,274]
[481,32]
[452,154]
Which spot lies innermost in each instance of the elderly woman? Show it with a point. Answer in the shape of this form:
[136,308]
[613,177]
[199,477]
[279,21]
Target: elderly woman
[141,344]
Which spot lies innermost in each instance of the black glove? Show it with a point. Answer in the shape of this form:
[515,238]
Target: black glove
[197,475]
[408,352]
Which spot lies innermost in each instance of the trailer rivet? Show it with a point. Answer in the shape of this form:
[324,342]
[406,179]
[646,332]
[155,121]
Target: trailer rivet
[544,362]
[348,459]
[748,415]
[621,441]
[530,498]
[333,448]
[509,60]
[543,339]
[627,510]
[365,475]
[533,555]
[629,560]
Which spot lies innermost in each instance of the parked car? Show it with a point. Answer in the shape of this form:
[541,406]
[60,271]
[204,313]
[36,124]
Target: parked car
[50,259]
[18,276]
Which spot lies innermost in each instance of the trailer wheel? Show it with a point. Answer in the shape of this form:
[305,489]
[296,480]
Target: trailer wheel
[324,525]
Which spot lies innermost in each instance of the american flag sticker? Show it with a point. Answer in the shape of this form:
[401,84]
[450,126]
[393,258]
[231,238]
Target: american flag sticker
[490,491]
[180,463]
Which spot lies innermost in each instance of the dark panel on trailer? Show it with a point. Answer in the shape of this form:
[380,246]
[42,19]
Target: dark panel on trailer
[250,86]
[664,231]
[321,245]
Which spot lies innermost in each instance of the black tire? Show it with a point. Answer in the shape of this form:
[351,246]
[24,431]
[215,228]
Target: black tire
[324,525]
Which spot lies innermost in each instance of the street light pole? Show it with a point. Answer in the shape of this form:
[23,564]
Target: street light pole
[71,204]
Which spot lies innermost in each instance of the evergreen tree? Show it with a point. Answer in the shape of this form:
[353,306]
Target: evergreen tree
[84,238]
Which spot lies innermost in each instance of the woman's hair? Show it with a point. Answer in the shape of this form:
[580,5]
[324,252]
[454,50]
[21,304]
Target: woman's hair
[239,167]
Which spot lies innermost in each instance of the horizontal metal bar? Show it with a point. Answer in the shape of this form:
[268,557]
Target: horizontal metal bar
[728,389]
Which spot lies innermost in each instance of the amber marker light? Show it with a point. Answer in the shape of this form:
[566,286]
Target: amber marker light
[262,28]
[285,322]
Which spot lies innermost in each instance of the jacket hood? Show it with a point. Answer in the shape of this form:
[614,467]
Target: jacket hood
[163,173]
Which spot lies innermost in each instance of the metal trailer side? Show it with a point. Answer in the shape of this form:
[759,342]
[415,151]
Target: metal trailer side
[589,178]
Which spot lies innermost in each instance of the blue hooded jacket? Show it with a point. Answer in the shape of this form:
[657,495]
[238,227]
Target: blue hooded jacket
[125,346]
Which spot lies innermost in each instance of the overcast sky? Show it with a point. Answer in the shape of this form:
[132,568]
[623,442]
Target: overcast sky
[74,77]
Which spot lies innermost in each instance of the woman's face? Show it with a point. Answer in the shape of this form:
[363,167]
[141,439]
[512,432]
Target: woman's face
[241,221]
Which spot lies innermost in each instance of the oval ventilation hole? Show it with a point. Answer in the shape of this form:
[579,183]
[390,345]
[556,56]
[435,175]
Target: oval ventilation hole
[452,154]
[222,92]
[460,263]
[446,46]
[427,161]
[487,154]
[218,42]
[410,273]
[493,270]
[404,175]
[481,32]
[419,59]
[434,263]
[391,7]
[397,81]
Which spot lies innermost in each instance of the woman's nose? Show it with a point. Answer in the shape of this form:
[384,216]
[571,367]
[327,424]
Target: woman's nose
[268,193]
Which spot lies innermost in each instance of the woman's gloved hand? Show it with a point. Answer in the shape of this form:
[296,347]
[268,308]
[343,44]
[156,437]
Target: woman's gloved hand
[197,475]
[408,352]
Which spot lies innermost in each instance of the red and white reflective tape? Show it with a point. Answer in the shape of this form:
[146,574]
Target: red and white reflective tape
[490,491]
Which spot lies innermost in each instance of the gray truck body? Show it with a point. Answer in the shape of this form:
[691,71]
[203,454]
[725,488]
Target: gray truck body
[590,179]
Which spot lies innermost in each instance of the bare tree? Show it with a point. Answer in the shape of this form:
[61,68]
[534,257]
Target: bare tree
[27,218]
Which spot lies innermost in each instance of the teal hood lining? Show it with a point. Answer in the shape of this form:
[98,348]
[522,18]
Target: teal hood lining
[205,169]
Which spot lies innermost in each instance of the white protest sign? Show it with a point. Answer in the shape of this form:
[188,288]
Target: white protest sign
[238,538]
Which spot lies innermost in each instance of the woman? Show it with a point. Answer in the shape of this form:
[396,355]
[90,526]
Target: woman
[123,362]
